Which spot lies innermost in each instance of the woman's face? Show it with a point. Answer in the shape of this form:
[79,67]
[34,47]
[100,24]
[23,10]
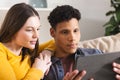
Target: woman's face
[28,34]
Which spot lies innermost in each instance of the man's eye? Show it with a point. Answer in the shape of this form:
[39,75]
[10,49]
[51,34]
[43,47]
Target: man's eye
[77,30]
[38,29]
[64,32]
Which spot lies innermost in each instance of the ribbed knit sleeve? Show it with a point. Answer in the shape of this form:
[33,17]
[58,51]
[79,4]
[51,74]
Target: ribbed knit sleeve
[49,45]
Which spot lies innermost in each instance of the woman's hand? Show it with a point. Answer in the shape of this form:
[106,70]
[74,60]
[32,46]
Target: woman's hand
[47,53]
[42,63]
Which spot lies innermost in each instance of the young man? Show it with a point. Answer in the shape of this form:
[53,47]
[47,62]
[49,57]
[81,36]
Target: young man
[65,30]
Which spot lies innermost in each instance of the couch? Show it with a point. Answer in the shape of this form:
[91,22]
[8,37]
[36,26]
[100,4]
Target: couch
[106,43]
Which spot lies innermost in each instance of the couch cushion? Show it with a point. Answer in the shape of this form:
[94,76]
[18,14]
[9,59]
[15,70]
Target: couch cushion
[106,43]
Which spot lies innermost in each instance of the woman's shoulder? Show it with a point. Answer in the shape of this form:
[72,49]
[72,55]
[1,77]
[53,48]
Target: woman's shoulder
[3,50]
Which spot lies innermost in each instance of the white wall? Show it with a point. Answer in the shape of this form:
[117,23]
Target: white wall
[9,3]
[45,26]
[91,24]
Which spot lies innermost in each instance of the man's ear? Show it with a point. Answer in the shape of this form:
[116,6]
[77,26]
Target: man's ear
[52,32]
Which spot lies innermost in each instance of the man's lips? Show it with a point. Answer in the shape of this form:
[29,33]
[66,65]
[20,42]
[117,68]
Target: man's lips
[72,45]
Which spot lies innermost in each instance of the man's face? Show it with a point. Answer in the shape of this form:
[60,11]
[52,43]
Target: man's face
[67,36]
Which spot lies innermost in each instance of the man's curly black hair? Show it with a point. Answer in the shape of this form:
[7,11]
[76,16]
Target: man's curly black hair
[63,13]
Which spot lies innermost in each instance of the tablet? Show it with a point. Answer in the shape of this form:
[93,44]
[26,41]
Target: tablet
[98,66]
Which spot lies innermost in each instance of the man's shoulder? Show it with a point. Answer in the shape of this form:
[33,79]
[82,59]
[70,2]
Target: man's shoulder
[88,51]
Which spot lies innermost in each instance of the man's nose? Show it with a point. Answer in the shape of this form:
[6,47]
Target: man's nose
[71,36]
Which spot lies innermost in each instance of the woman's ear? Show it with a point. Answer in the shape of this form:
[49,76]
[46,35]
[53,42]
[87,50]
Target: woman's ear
[52,32]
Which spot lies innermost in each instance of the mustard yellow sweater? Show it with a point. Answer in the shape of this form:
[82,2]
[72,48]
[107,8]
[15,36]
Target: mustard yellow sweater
[11,67]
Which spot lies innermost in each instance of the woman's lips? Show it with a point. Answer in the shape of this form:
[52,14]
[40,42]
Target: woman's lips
[33,42]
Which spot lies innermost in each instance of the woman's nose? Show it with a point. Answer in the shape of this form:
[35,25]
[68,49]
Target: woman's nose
[36,34]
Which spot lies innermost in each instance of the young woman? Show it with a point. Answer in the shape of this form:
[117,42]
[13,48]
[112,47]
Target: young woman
[19,47]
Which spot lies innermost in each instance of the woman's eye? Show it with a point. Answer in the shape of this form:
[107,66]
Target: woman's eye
[29,30]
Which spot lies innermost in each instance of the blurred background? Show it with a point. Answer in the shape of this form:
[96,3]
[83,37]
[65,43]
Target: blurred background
[93,15]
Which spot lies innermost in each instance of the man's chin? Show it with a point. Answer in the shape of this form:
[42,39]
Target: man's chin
[72,51]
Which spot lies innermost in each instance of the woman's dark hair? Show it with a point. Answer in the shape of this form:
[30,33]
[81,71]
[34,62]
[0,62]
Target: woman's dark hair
[13,22]
[63,13]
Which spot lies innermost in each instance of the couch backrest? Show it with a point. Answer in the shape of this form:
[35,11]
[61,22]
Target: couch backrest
[106,43]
